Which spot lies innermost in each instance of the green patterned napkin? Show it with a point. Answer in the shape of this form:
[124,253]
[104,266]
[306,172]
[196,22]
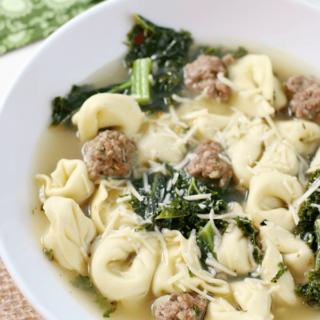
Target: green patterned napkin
[24,21]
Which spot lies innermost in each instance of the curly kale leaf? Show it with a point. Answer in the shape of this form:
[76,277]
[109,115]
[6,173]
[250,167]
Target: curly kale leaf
[176,213]
[308,214]
[282,270]
[246,226]
[310,291]
[168,49]
[219,52]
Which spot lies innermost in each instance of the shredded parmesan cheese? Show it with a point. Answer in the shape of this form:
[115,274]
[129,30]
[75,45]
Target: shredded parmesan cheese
[134,191]
[198,197]
[145,183]
[315,185]
[163,244]
[215,264]
[126,198]
[192,287]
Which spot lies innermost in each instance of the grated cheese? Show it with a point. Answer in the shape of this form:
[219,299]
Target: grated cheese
[195,114]
[198,197]
[215,264]
[169,185]
[192,287]
[286,185]
[202,206]
[175,178]
[315,185]
[315,205]
[274,288]
[56,180]
[126,198]
[226,81]
[176,277]
[157,167]
[221,156]
[145,183]
[294,214]
[271,123]
[134,191]
[185,161]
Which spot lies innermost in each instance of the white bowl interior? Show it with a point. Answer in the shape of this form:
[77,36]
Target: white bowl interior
[81,48]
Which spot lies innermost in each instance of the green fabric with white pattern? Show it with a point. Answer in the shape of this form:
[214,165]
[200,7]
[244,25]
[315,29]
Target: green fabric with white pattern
[24,21]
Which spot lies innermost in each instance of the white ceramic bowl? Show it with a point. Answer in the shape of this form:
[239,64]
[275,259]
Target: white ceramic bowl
[83,47]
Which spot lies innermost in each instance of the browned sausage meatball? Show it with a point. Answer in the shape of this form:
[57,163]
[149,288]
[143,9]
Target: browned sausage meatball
[110,154]
[209,163]
[304,94]
[182,307]
[202,74]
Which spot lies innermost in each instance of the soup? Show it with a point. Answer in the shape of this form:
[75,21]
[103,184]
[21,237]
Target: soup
[181,189]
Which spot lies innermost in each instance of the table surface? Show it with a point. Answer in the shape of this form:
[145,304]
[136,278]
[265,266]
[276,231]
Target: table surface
[13,306]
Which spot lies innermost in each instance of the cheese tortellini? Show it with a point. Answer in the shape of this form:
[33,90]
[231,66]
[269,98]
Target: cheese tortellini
[234,251]
[253,299]
[70,180]
[172,274]
[259,91]
[271,197]
[123,264]
[109,215]
[70,233]
[302,135]
[296,254]
[104,110]
[284,286]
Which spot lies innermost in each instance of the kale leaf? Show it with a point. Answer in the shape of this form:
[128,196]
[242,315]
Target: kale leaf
[84,283]
[219,52]
[166,207]
[308,214]
[282,270]
[310,291]
[168,49]
[246,226]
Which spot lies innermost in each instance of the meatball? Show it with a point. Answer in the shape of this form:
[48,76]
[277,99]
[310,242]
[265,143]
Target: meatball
[110,154]
[304,96]
[202,74]
[210,163]
[188,306]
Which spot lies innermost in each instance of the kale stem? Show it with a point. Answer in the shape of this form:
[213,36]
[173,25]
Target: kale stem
[193,185]
[317,232]
[143,24]
[140,80]
[124,85]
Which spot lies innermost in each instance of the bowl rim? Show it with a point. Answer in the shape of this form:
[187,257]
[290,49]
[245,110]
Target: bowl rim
[28,293]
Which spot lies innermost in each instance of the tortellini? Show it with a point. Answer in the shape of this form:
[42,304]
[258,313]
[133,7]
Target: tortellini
[172,274]
[233,252]
[297,255]
[245,153]
[106,212]
[104,110]
[253,298]
[271,196]
[302,135]
[69,180]
[70,233]
[156,142]
[123,264]
[259,91]
[284,286]
[280,157]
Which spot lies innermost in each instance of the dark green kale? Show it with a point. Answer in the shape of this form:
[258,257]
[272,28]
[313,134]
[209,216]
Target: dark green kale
[166,207]
[310,291]
[48,253]
[84,283]
[308,214]
[282,270]
[219,52]
[246,226]
[168,49]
